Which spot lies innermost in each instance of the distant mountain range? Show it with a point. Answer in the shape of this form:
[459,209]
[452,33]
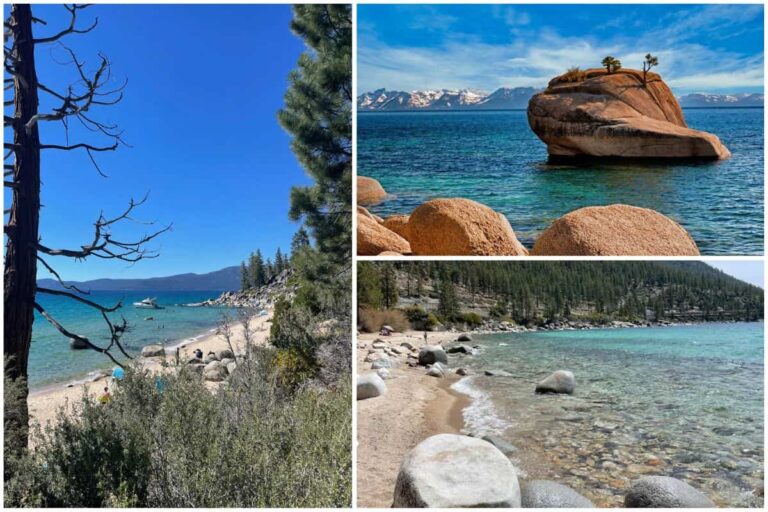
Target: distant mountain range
[513,99]
[225,279]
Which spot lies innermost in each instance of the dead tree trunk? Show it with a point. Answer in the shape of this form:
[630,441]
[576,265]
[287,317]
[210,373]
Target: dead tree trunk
[22,228]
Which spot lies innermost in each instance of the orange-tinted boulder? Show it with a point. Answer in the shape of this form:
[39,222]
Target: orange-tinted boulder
[461,227]
[615,115]
[373,238]
[398,224]
[616,230]
[369,191]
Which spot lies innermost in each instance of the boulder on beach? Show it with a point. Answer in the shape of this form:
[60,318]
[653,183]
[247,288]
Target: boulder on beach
[431,354]
[384,362]
[461,227]
[505,447]
[561,381]
[210,357]
[547,494]
[153,351]
[615,230]
[231,367]
[373,238]
[225,354]
[215,371]
[463,372]
[664,492]
[398,224]
[389,253]
[464,337]
[369,191]
[448,470]
[370,386]
[436,371]
[616,115]
[384,373]
[365,213]
[197,368]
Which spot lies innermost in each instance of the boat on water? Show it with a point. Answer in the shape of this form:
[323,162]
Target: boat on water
[148,303]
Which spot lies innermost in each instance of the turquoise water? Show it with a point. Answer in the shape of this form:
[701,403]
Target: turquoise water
[494,158]
[690,396]
[51,359]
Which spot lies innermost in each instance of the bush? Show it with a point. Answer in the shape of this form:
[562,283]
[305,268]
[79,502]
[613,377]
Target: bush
[573,75]
[471,319]
[252,443]
[372,320]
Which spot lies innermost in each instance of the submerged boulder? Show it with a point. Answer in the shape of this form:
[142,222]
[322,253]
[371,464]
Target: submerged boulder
[664,492]
[559,382]
[599,114]
[461,349]
[369,191]
[461,227]
[547,494]
[373,238]
[432,354]
[370,386]
[615,230]
[448,470]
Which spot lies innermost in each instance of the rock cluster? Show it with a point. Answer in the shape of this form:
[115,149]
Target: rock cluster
[262,298]
[215,367]
[616,115]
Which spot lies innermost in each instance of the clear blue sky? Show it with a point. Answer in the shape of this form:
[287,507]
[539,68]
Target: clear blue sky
[204,86]
[701,48]
[746,270]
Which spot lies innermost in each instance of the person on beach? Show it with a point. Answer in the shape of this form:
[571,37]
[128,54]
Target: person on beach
[105,396]
[198,353]
[425,337]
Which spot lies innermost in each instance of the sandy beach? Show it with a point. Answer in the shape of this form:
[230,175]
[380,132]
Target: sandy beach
[414,407]
[45,403]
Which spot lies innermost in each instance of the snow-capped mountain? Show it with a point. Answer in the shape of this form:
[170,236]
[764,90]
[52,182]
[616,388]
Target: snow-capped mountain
[445,99]
[703,99]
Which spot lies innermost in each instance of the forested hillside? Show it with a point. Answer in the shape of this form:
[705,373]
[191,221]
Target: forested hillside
[545,291]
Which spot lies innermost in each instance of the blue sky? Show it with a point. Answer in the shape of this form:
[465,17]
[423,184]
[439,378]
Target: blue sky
[750,271]
[204,86]
[701,48]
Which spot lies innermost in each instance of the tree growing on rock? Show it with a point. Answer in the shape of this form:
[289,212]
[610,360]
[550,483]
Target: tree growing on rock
[25,249]
[649,62]
[611,64]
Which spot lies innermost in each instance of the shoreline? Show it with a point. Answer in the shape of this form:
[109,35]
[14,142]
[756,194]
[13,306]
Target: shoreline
[45,402]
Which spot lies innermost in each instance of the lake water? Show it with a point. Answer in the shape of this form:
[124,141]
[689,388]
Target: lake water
[51,359]
[494,158]
[684,401]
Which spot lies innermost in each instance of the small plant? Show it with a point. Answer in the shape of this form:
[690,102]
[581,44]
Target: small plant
[573,75]
[650,61]
[611,64]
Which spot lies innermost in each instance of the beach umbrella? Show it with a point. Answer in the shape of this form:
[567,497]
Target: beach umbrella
[118,373]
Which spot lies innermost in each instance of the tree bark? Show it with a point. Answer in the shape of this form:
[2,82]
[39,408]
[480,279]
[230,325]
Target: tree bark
[22,228]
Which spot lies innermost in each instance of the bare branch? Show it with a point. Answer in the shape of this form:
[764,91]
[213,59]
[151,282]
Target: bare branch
[58,277]
[71,29]
[76,297]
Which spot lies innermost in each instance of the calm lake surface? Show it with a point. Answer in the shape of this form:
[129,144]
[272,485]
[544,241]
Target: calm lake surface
[684,401]
[51,359]
[494,158]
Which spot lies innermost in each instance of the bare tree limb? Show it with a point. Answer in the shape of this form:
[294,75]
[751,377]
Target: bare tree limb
[58,277]
[76,297]
[71,29]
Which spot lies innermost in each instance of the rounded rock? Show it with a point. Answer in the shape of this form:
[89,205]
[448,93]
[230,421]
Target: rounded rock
[432,354]
[373,239]
[369,191]
[560,381]
[547,494]
[664,492]
[370,386]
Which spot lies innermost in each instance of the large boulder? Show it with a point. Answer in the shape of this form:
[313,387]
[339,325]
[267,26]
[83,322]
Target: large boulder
[547,494]
[615,230]
[460,227]
[464,337]
[431,354]
[225,354]
[373,238]
[664,492]
[369,191]
[460,349]
[559,382]
[215,371]
[615,115]
[448,470]
[398,224]
[365,213]
[370,386]
[153,351]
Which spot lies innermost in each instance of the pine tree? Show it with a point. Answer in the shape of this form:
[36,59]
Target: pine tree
[279,262]
[257,270]
[388,285]
[369,285]
[448,306]
[299,241]
[318,113]
[245,278]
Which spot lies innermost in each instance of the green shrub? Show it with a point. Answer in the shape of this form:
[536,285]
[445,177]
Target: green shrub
[252,443]
[471,319]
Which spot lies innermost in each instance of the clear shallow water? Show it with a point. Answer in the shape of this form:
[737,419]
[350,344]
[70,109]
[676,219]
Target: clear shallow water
[52,361]
[683,401]
[494,158]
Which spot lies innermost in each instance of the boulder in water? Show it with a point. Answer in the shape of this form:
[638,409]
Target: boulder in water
[431,354]
[373,238]
[153,351]
[664,492]
[547,494]
[369,191]
[559,382]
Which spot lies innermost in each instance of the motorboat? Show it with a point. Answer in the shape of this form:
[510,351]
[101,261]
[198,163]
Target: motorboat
[148,303]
